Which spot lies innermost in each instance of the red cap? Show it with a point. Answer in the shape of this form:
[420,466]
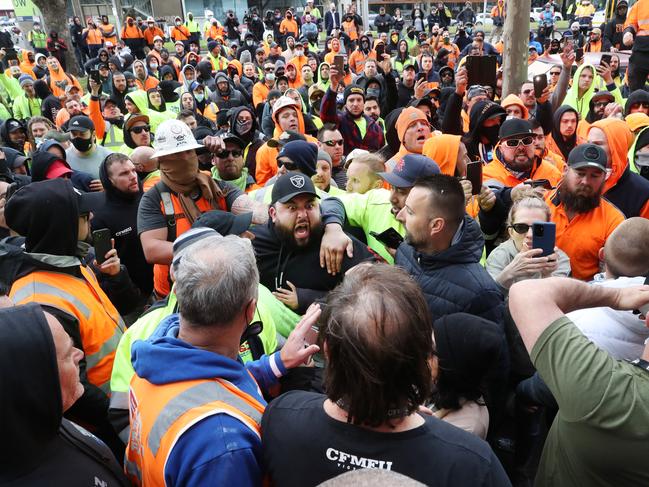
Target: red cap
[59,168]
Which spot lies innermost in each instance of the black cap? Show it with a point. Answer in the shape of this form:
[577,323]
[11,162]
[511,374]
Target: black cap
[284,138]
[224,222]
[514,127]
[290,185]
[81,123]
[13,125]
[603,94]
[353,90]
[228,136]
[588,155]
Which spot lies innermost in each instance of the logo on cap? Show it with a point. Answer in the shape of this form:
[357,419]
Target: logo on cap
[297,181]
[76,122]
[399,166]
[591,153]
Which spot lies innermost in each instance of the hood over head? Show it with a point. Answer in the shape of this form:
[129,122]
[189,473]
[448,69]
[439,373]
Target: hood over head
[638,96]
[113,193]
[166,69]
[567,146]
[480,112]
[46,213]
[4,134]
[619,139]
[117,62]
[204,68]
[233,113]
[41,162]
[443,149]
[30,390]
[513,99]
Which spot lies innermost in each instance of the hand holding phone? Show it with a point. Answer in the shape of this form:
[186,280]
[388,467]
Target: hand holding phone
[102,243]
[543,237]
[339,64]
[579,54]
[390,238]
[474,174]
[540,83]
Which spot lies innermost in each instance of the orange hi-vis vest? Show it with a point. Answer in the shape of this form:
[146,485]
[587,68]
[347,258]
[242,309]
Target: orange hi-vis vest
[177,223]
[160,414]
[100,325]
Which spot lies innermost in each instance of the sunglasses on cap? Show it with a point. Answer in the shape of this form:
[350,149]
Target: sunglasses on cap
[529,140]
[226,153]
[140,129]
[334,143]
[520,228]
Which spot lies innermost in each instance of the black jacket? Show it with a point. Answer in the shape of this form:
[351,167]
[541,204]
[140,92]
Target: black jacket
[453,280]
[40,447]
[279,262]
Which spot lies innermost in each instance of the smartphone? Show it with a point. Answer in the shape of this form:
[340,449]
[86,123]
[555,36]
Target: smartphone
[540,83]
[542,183]
[579,54]
[102,244]
[481,70]
[474,174]
[543,237]
[94,75]
[339,63]
[421,76]
[606,58]
[380,50]
[390,238]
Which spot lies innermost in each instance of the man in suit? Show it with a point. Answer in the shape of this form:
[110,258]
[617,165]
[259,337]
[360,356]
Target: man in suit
[332,19]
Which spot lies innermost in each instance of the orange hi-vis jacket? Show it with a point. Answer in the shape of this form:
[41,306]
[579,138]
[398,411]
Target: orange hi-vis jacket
[107,29]
[180,33]
[583,236]
[160,414]
[173,211]
[100,325]
[95,37]
[496,170]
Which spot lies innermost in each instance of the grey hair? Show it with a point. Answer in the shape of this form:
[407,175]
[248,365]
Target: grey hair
[216,277]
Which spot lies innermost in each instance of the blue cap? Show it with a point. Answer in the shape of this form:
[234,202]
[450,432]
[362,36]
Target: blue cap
[410,168]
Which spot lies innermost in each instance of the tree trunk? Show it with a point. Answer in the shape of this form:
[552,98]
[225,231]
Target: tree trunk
[516,41]
[54,18]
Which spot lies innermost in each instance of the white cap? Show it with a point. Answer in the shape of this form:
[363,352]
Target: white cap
[355,153]
[157,38]
[108,44]
[173,136]
[283,102]
[150,19]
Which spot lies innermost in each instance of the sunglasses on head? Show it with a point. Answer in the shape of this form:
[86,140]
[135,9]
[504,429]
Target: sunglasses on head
[140,129]
[520,228]
[226,153]
[529,140]
[334,143]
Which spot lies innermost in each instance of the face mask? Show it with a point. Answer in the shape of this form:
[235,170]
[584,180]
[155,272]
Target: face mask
[299,52]
[38,141]
[178,24]
[130,22]
[315,106]
[289,16]
[199,97]
[193,63]
[373,92]
[244,127]
[131,89]
[154,65]
[82,145]
[250,42]
[411,35]
[447,40]
[642,160]
[491,133]
[469,30]
[270,76]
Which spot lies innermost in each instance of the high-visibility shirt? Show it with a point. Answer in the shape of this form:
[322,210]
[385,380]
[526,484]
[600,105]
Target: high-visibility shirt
[160,414]
[150,33]
[95,37]
[497,171]
[173,210]
[192,26]
[288,27]
[106,30]
[133,32]
[100,325]
[638,18]
[180,33]
[38,38]
[583,236]
[259,93]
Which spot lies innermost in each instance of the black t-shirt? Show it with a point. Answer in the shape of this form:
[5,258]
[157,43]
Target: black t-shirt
[303,446]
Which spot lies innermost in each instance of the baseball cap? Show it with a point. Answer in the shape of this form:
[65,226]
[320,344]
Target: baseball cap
[354,153]
[636,120]
[13,125]
[290,185]
[514,127]
[179,43]
[85,202]
[230,137]
[410,168]
[80,123]
[224,222]
[57,169]
[475,90]
[602,94]
[588,155]
[189,237]
[109,44]
[313,89]
[130,121]
[157,38]
[596,30]
[284,138]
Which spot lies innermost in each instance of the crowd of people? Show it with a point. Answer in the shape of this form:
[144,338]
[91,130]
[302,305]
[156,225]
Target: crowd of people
[297,246]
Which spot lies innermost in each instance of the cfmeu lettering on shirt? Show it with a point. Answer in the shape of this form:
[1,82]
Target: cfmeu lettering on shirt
[349,461]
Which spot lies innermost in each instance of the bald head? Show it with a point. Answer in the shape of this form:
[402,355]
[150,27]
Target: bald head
[142,159]
[626,253]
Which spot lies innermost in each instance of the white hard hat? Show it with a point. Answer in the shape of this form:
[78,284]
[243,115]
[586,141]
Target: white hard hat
[150,19]
[173,136]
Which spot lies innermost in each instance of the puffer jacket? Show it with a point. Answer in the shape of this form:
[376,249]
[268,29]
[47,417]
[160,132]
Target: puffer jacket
[453,280]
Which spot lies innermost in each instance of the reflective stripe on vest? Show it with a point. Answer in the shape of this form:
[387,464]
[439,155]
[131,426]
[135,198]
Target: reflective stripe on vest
[160,414]
[100,326]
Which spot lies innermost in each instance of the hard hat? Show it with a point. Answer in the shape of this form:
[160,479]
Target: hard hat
[173,136]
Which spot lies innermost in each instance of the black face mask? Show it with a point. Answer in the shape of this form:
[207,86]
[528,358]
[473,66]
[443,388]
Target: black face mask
[411,35]
[82,145]
[491,133]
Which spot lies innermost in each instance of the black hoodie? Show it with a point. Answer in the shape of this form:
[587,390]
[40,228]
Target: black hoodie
[4,135]
[41,162]
[254,138]
[167,69]
[50,105]
[480,112]
[638,96]
[40,447]
[119,215]
[565,146]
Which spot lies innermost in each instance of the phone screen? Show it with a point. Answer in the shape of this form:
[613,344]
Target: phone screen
[579,54]
[339,63]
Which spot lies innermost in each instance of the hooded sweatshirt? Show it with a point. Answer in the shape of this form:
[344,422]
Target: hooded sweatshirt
[40,446]
[582,105]
[4,136]
[638,96]
[480,112]
[443,149]
[624,188]
[205,450]
[253,138]
[555,142]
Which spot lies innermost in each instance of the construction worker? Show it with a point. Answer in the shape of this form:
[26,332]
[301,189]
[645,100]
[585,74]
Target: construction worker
[636,34]
[37,38]
[94,37]
[108,30]
[179,32]
[193,28]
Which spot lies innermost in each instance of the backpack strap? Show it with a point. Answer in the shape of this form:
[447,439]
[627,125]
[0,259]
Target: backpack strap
[168,206]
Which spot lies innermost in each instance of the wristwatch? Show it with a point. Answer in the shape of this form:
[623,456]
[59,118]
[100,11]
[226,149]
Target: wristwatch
[643,364]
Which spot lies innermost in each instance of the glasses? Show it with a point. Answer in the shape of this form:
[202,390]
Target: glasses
[527,92]
[555,73]
[269,69]
[334,143]
[516,142]
[140,129]
[520,228]
[289,165]
[226,153]
[638,105]
[603,103]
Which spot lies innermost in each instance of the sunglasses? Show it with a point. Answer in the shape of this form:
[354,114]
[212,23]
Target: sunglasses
[516,142]
[527,92]
[290,166]
[555,73]
[269,69]
[638,105]
[139,130]
[521,228]
[334,143]
[226,153]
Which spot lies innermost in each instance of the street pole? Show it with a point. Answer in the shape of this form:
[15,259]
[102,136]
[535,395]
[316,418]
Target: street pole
[515,42]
